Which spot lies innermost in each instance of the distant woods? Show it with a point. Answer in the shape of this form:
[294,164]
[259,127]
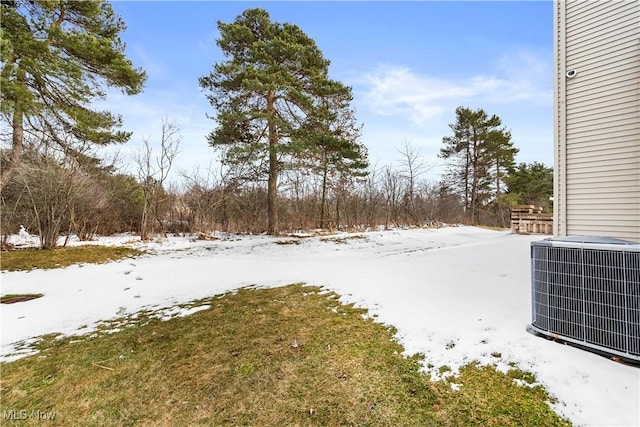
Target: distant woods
[87,199]
[286,139]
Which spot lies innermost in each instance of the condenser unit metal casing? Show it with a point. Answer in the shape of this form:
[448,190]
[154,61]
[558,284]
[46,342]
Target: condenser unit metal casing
[586,291]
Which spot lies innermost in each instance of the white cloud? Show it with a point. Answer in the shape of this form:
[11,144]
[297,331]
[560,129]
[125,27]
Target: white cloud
[392,90]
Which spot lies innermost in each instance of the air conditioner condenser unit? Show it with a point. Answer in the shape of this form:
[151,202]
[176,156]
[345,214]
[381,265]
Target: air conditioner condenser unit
[586,291]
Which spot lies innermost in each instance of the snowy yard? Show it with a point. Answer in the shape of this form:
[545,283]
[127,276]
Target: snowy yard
[455,294]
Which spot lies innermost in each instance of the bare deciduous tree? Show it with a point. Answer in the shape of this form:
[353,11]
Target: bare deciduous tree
[390,183]
[153,172]
[412,167]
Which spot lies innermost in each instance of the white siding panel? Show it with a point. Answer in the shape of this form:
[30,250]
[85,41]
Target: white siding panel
[593,78]
[587,99]
[600,111]
[559,126]
[600,185]
[596,121]
[581,8]
[597,115]
[606,104]
[599,178]
[613,126]
[627,150]
[611,63]
[612,108]
[596,223]
[602,218]
[591,192]
[612,176]
[604,155]
[618,51]
[611,21]
[601,14]
[584,164]
[593,227]
[602,177]
[601,82]
[597,95]
[577,10]
[586,33]
[612,37]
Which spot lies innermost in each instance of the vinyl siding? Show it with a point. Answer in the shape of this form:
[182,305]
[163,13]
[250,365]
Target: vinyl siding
[559,122]
[597,118]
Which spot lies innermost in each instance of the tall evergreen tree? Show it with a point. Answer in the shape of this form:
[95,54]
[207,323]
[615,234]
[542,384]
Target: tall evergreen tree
[531,183]
[57,57]
[502,153]
[478,152]
[330,143]
[264,93]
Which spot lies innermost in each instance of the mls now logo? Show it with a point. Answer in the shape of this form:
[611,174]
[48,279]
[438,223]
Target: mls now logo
[15,415]
[21,415]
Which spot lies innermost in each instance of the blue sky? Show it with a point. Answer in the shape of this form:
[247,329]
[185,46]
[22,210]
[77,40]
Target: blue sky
[410,65]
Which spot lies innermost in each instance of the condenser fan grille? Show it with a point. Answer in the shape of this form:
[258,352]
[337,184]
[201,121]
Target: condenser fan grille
[587,291]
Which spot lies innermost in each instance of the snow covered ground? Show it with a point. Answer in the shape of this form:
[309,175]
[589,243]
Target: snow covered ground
[455,294]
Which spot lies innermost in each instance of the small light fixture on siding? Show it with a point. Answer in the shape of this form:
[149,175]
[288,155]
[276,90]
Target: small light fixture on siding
[571,73]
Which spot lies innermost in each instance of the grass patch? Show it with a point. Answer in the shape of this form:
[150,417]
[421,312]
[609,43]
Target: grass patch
[13,298]
[344,239]
[287,242]
[489,398]
[493,228]
[286,356]
[29,259]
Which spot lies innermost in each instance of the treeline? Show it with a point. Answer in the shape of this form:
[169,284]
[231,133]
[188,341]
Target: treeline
[385,197]
[290,154]
[55,195]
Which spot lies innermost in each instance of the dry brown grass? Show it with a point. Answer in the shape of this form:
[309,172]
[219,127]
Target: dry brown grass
[29,259]
[265,357]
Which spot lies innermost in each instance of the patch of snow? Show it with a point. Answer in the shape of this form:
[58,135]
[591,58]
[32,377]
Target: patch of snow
[455,294]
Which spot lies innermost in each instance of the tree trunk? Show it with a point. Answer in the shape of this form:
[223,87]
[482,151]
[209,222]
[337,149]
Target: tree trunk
[17,141]
[467,173]
[323,203]
[474,180]
[501,220]
[338,213]
[272,186]
[144,221]
[225,212]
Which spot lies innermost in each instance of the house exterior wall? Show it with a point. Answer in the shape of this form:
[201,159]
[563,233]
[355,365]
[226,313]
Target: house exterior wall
[597,118]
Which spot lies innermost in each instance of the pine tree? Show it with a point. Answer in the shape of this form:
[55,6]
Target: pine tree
[57,57]
[531,183]
[502,152]
[478,152]
[330,146]
[264,93]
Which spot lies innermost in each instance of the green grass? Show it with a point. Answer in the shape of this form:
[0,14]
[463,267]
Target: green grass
[265,357]
[29,259]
